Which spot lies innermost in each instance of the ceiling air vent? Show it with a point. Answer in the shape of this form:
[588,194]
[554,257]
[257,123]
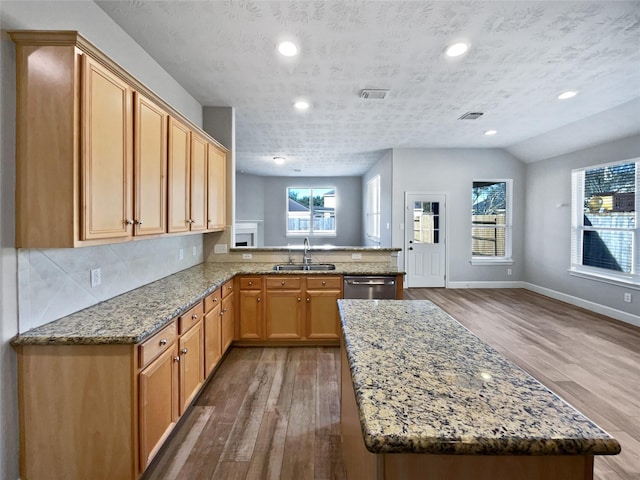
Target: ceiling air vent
[471,116]
[374,93]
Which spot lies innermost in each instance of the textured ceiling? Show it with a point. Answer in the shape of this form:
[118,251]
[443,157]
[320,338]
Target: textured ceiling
[522,55]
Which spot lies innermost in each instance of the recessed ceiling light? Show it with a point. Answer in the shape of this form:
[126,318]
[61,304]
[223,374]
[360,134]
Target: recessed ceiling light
[278,160]
[301,105]
[490,132]
[567,94]
[288,49]
[456,49]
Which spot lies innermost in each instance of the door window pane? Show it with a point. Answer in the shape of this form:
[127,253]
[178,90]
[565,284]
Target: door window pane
[426,222]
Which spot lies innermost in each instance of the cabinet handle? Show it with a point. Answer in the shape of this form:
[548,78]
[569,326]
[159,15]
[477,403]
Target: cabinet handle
[128,221]
[250,283]
[194,316]
[324,282]
[259,299]
[282,282]
[215,299]
[184,351]
[176,359]
[163,342]
[139,222]
[308,299]
[299,299]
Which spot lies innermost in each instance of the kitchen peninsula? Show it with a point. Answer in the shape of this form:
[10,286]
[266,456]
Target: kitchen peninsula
[422,397]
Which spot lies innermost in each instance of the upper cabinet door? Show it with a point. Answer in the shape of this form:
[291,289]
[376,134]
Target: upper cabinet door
[198,218]
[216,192]
[150,167]
[179,179]
[106,167]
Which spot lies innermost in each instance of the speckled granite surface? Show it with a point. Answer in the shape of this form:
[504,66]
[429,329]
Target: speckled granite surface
[131,317]
[426,384]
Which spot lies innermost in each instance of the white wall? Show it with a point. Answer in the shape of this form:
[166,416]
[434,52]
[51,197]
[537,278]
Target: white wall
[384,168]
[348,209]
[452,171]
[123,262]
[548,226]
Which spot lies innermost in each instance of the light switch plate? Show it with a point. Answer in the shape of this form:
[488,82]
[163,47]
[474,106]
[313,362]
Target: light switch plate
[96,277]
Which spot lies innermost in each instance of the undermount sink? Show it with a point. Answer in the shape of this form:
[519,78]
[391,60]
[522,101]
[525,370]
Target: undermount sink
[302,266]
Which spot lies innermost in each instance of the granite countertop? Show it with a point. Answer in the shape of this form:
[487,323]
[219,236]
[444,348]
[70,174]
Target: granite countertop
[426,384]
[133,316]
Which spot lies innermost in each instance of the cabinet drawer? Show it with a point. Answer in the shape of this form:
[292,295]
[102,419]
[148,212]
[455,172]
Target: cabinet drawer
[211,300]
[324,281]
[189,318]
[250,283]
[227,288]
[151,348]
[284,282]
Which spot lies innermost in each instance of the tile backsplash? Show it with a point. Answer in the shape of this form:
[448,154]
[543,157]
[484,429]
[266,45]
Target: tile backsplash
[53,283]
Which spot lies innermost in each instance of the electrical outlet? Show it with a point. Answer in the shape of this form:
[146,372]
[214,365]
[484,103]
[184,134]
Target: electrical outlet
[509,271]
[247,256]
[627,297]
[195,251]
[96,277]
[356,256]
[181,254]
[220,248]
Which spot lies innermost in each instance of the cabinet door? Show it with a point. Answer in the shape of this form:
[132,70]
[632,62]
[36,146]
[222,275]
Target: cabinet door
[227,321]
[250,315]
[198,201]
[179,179]
[107,151]
[284,314]
[322,315]
[158,403]
[191,365]
[150,167]
[216,188]
[212,338]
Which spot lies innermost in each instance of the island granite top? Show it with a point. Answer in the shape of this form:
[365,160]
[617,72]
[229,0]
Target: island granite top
[426,384]
[133,316]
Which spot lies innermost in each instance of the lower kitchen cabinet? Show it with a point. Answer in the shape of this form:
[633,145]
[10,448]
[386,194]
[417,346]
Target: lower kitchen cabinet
[212,331]
[284,310]
[158,403]
[250,308]
[191,354]
[227,313]
[322,315]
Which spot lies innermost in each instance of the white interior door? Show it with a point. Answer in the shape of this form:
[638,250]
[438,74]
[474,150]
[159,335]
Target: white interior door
[425,247]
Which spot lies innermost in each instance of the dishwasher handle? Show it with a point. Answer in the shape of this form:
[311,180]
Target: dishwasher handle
[371,282]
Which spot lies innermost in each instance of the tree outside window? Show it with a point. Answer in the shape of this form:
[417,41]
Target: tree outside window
[311,211]
[491,219]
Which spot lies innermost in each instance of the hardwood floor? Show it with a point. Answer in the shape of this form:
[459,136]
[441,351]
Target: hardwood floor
[273,413]
[267,413]
[589,360]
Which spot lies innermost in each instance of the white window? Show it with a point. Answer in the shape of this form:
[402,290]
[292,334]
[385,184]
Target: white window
[372,209]
[311,211]
[491,222]
[604,222]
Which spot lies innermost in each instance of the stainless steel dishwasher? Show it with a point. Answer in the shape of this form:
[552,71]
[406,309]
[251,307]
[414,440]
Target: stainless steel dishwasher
[372,287]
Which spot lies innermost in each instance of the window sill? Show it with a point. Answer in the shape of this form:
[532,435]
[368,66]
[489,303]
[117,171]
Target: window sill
[626,282]
[491,261]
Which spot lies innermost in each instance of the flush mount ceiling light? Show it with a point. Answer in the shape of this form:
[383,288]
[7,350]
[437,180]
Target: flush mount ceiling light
[278,160]
[301,105]
[490,132]
[288,49]
[567,94]
[456,49]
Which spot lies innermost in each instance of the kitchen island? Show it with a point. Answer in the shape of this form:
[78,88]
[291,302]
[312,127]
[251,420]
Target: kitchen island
[422,397]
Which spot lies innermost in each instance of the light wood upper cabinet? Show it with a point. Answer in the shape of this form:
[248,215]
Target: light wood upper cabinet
[92,146]
[216,188]
[198,179]
[107,166]
[150,167]
[179,179]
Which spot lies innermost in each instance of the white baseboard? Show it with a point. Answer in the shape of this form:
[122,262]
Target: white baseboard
[496,284]
[586,304]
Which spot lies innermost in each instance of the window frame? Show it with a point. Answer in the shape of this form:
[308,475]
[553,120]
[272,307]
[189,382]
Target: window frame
[373,213]
[576,268]
[310,233]
[507,258]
